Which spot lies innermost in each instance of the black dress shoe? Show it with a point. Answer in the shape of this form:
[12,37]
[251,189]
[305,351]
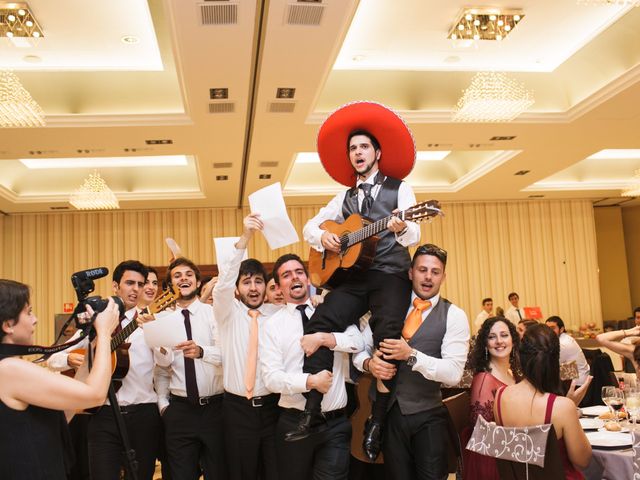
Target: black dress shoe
[311,421]
[372,441]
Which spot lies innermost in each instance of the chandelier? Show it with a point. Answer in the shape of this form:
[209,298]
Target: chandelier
[633,3]
[16,20]
[492,97]
[485,24]
[633,190]
[94,194]
[17,108]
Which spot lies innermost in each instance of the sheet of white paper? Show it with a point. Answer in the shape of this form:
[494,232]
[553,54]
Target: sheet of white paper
[166,331]
[225,248]
[278,229]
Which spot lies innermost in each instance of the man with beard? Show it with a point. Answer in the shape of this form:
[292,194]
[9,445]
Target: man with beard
[189,383]
[366,147]
[282,350]
[432,350]
[250,409]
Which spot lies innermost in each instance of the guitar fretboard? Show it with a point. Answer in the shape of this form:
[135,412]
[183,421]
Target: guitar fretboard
[119,338]
[368,231]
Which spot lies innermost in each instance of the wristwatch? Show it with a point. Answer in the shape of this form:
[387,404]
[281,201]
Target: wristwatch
[413,358]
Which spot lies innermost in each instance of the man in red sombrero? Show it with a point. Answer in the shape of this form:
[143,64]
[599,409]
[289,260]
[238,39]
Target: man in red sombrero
[369,149]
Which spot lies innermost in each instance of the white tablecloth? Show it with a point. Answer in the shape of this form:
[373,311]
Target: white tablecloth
[610,465]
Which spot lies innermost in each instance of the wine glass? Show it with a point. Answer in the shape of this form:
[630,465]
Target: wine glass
[633,405]
[607,393]
[616,402]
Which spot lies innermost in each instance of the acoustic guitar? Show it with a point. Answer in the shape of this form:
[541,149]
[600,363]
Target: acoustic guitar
[120,349]
[358,241]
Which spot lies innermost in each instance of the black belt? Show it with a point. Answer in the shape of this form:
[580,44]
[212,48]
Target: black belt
[271,399]
[340,412]
[124,409]
[202,401]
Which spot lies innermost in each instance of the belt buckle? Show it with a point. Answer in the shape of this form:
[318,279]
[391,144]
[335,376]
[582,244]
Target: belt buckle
[203,401]
[256,402]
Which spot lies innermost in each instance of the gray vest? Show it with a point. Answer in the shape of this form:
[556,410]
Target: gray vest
[413,392]
[391,257]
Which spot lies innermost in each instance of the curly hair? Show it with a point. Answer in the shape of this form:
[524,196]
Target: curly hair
[540,358]
[479,358]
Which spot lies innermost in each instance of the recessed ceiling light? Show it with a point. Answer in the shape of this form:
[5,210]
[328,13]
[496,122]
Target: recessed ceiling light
[616,154]
[452,59]
[358,58]
[31,59]
[130,39]
[522,172]
[105,162]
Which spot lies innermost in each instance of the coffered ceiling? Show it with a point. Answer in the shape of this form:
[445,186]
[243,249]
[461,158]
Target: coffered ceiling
[130,78]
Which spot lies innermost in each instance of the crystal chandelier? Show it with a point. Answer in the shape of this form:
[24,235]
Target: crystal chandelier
[634,3]
[492,97]
[633,190]
[94,194]
[17,108]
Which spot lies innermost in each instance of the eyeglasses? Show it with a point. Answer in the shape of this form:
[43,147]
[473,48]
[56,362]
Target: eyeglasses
[431,249]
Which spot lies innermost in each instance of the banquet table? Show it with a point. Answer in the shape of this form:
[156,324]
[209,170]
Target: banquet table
[610,465]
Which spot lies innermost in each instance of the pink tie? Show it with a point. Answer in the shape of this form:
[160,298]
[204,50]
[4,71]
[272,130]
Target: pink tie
[252,354]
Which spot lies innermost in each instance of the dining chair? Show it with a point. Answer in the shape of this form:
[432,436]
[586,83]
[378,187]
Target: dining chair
[521,453]
[458,407]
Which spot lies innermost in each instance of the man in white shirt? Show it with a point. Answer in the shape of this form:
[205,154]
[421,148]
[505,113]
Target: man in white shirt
[250,410]
[189,383]
[487,311]
[569,349]
[326,454]
[514,312]
[371,161]
[433,350]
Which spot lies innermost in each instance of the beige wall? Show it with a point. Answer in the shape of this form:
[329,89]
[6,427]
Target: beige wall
[546,251]
[631,222]
[612,260]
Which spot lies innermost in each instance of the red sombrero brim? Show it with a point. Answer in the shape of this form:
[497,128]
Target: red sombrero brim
[396,141]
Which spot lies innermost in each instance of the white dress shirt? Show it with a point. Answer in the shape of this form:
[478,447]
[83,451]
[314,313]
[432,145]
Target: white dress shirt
[282,357]
[482,316]
[204,332]
[570,351]
[137,385]
[235,324]
[512,314]
[455,346]
[333,211]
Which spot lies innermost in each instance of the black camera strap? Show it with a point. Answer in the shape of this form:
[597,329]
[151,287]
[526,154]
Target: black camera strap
[10,350]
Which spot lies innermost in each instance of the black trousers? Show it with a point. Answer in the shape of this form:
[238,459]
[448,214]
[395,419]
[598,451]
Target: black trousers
[322,456]
[250,436]
[105,445]
[386,295]
[415,446]
[194,439]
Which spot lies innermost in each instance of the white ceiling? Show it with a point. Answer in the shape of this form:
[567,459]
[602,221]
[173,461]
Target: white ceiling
[583,64]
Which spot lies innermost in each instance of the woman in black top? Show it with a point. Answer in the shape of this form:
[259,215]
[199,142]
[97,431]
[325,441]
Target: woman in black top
[32,399]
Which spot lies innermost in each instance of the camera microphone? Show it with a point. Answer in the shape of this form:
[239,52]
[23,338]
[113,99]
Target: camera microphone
[91,274]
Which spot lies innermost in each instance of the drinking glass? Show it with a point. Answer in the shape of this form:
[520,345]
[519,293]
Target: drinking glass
[633,405]
[616,402]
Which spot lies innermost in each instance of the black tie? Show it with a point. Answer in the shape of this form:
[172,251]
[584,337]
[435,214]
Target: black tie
[519,314]
[190,366]
[367,201]
[303,314]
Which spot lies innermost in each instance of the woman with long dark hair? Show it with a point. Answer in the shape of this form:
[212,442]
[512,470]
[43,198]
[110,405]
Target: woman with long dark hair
[537,399]
[32,399]
[494,360]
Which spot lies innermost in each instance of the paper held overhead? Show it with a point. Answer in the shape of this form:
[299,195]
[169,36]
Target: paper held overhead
[269,203]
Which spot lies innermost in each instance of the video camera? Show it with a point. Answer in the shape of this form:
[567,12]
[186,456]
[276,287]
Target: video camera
[83,284]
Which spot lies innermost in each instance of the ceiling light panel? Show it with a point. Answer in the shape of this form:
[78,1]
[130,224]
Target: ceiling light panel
[105,162]
[485,24]
[616,154]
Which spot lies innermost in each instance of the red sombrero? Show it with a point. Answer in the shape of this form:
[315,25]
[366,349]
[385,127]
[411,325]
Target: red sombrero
[396,140]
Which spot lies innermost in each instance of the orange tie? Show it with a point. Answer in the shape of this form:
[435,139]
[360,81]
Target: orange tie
[414,319]
[252,354]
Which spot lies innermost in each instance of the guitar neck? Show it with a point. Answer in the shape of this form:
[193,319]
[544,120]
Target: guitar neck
[370,230]
[119,338]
